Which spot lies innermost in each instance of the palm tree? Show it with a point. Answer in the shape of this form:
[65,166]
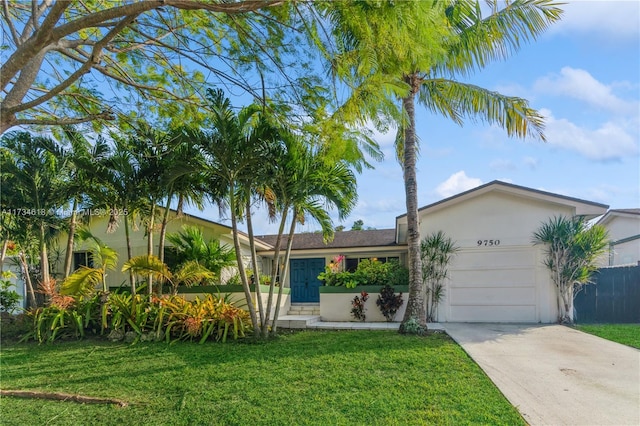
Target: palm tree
[572,249]
[84,280]
[232,152]
[415,50]
[306,185]
[190,245]
[150,266]
[36,179]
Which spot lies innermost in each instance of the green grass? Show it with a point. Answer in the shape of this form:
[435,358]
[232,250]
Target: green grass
[627,334]
[305,378]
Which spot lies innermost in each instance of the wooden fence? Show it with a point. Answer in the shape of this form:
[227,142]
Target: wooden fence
[614,298]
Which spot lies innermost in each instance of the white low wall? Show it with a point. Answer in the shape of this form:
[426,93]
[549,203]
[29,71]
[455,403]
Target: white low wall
[337,306]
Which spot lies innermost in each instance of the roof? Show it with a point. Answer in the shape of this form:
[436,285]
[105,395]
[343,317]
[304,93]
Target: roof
[618,213]
[342,239]
[583,207]
[261,243]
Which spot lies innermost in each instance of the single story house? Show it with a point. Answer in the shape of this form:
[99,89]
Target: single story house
[498,274]
[623,226]
[117,241]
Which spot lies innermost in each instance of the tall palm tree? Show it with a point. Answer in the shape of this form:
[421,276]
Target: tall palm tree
[232,153]
[416,50]
[37,179]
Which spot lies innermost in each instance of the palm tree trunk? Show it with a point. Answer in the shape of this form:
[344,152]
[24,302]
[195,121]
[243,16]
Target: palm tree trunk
[416,308]
[150,243]
[3,254]
[283,275]
[129,250]
[241,271]
[27,280]
[163,227]
[275,266]
[254,265]
[68,257]
[44,258]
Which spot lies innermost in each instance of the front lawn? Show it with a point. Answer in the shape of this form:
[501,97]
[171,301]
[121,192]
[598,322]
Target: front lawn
[627,334]
[310,377]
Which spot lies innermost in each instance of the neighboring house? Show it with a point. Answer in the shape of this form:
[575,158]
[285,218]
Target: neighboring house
[310,255]
[498,274]
[117,241]
[623,226]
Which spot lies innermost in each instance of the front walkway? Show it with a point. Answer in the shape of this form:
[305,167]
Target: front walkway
[555,375]
[315,322]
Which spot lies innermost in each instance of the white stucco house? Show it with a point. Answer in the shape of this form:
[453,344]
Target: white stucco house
[498,274]
[623,226]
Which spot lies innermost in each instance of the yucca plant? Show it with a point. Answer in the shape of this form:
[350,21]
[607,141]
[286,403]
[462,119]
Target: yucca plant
[436,252]
[571,251]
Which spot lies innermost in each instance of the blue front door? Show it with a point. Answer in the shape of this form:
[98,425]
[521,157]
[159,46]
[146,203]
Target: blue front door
[304,280]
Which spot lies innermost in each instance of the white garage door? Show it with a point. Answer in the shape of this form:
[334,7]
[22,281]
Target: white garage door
[492,285]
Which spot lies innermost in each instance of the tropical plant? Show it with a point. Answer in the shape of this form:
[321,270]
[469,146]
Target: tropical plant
[190,245]
[389,302]
[83,281]
[33,181]
[188,274]
[436,252]
[9,298]
[572,248]
[357,306]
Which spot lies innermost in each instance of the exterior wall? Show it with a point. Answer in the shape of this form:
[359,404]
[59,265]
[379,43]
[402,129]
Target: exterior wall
[11,265]
[620,227]
[497,276]
[237,297]
[628,252]
[335,304]
[117,241]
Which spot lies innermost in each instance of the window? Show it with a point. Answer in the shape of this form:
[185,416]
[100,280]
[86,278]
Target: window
[171,257]
[82,258]
[351,264]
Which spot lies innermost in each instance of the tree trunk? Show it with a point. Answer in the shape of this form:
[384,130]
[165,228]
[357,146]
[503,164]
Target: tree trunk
[416,308]
[283,275]
[3,255]
[27,279]
[163,227]
[68,256]
[150,244]
[241,271]
[44,260]
[254,265]
[275,265]
[129,250]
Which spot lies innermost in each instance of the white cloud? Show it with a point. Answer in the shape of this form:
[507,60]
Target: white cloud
[502,164]
[456,183]
[609,142]
[579,84]
[603,19]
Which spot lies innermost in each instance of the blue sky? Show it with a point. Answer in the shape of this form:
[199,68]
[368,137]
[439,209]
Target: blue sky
[583,75]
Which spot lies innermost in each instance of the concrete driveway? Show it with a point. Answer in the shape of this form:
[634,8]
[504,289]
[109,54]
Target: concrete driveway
[556,375]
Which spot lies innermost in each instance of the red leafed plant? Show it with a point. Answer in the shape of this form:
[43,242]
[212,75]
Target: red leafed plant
[357,306]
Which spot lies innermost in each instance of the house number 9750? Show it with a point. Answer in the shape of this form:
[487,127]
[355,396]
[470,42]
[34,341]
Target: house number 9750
[488,243]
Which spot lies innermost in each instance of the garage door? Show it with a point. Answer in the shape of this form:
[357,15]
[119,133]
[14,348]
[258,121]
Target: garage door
[492,285]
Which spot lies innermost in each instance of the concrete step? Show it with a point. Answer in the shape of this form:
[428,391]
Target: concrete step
[297,321]
[304,309]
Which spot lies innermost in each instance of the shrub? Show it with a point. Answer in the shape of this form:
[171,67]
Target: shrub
[389,302]
[357,306]
[9,299]
[369,272]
